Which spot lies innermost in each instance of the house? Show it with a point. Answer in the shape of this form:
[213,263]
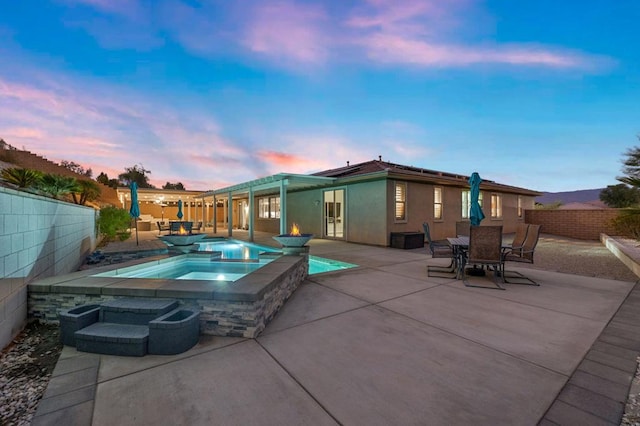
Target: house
[365,202]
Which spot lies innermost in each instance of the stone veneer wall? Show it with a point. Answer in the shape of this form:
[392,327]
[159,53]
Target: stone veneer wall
[39,237]
[232,318]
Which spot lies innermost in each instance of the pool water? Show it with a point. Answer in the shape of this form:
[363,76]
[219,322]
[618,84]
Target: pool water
[236,249]
[202,268]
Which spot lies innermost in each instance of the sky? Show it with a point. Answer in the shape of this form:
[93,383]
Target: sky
[541,94]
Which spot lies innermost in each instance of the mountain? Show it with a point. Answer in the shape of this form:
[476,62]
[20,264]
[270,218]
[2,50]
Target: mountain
[581,196]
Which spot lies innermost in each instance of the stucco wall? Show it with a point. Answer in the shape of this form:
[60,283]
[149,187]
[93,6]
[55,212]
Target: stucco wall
[39,238]
[579,224]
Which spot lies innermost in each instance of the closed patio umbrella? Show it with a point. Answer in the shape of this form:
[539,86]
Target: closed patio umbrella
[179,210]
[475,212]
[134,211]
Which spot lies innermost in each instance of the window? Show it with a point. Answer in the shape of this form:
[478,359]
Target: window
[269,208]
[466,203]
[401,201]
[496,206]
[520,206]
[437,203]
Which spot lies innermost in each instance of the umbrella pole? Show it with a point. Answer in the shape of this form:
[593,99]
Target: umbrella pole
[136,220]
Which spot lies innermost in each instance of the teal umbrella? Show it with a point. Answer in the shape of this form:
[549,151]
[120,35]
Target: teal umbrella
[134,211]
[179,210]
[475,211]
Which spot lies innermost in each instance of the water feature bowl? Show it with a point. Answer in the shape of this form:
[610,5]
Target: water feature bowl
[288,240]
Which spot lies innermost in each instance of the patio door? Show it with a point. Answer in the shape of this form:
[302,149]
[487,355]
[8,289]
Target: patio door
[334,213]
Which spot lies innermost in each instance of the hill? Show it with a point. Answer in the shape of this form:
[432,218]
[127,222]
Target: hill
[566,197]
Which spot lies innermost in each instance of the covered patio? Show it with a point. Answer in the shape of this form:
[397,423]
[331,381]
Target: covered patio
[239,200]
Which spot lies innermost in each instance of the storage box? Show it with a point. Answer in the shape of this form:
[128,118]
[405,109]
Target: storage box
[407,240]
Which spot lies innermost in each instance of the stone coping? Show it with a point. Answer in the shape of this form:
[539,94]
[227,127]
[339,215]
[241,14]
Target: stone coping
[249,288]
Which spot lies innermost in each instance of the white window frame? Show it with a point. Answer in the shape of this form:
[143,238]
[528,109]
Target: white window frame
[520,209]
[438,205]
[496,206]
[269,207]
[400,202]
[466,203]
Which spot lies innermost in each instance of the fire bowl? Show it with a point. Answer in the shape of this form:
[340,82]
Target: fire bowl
[293,240]
[182,240]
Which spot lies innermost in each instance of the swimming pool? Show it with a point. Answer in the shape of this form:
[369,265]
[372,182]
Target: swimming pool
[236,249]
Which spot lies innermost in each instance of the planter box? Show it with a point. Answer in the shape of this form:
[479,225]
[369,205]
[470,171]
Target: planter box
[75,319]
[407,240]
[175,332]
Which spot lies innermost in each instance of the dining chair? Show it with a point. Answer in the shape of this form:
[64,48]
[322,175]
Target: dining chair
[523,254]
[463,229]
[485,250]
[439,249]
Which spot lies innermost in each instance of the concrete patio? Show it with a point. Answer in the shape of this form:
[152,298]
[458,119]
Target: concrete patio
[382,344]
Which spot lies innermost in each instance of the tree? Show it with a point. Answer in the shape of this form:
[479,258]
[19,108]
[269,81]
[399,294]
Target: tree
[76,168]
[58,186]
[178,186]
[88,190]
[104,179]
[620,196]
[137,174]
[22,178]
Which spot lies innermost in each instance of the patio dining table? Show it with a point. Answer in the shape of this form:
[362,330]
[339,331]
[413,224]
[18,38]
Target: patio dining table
[460,245]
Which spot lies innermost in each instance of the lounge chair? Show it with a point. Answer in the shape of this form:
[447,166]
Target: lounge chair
[522,254]
[439,249]
[485,250]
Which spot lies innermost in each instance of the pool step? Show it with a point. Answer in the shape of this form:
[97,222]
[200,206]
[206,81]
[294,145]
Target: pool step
[135,311]
[131,327]
[113,339]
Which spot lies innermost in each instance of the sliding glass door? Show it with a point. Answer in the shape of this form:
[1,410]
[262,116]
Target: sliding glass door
[334,213]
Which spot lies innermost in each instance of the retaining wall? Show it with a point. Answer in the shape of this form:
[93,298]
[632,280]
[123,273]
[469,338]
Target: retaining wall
[39,238]
[579,224]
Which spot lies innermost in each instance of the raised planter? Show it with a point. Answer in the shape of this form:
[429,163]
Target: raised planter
[74,319]
[175,332]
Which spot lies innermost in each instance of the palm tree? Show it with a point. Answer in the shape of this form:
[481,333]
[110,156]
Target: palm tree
[58,186]
[88,190]
[22,178]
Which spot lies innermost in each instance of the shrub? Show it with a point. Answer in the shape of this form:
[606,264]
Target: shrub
[114,223]
[627,223]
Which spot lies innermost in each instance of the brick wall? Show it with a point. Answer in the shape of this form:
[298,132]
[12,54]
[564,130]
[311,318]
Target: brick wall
[39,237]
[579,224]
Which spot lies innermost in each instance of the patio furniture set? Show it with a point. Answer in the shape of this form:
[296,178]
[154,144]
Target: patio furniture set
[479,249]
[174,226]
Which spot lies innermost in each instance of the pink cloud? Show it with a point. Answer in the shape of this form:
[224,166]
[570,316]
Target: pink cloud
[288,30]
[386,48]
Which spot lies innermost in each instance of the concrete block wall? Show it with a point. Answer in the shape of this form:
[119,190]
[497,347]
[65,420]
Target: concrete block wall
[578,224]
[39,237]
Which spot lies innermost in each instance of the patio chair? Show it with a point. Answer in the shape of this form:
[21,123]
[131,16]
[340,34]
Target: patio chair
[439,249]
[197,226]
[162,226]
[485,250]
[522,254]
[463,229]
[518,238]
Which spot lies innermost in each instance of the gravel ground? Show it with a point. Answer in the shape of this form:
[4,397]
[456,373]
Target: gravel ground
[26,364]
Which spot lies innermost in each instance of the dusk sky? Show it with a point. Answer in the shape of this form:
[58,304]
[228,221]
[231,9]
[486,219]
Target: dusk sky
[538,94]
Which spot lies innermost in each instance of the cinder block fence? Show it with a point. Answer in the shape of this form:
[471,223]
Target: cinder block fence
[578,224]
[39,237]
